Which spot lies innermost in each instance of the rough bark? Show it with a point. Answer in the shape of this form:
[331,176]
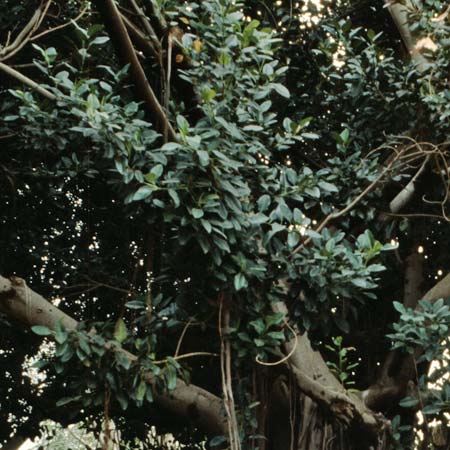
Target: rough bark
[191,402]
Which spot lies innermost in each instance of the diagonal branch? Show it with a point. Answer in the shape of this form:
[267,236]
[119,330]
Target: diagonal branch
[336,214]
[315,379]
[140,39]
[27,81]
[147,25]
[21,37]
[399,14]
[190,402]
[124,46]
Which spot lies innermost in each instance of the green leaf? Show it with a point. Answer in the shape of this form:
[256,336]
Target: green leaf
[99,40]
[327,186]
[345,135]
[141,390]
[41,330]
[293,239]
[203,157]
[171,377]
[208,94]
[65,400]
[175,198]
[142,193]
[280,89]
[240,282]
[217,440]
[258,325]
[309,135]
[253,128]
[197,213]
[120,331]
[360,282]
[408,402]
[135,304]
[263,202]
[123,360]
[259,342]
[123,400]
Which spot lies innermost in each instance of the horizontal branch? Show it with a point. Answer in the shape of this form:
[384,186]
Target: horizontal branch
[190,402]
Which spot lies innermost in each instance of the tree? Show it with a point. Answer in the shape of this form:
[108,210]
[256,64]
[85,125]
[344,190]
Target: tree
[221,217]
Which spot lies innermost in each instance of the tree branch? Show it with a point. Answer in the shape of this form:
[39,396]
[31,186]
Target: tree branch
[315,379]
[399,14]
[27,81]
[191,402]
[124,46]
[141,40]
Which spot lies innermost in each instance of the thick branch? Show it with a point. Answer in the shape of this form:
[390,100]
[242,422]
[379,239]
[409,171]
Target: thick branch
[399,13]
[407,193]
[125,48]
[191,402]
[413,278]
[315,379]
[439,290]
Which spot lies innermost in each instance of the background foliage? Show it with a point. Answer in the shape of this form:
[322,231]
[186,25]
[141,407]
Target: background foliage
[285,113]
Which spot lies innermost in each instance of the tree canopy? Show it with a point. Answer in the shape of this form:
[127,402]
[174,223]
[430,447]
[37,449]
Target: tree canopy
[228,220]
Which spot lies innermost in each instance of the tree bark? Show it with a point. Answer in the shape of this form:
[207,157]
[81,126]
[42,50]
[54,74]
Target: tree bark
[315,380]
[191,402]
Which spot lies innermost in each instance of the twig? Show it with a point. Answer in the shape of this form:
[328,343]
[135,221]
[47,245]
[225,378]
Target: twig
[184,356]
[286,357]
[60,27]
[353,203]
[180,340]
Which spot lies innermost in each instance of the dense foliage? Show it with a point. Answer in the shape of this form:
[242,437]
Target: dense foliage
[296,125]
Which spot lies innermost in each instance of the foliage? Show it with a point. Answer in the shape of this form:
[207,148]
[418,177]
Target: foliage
[342,368]
[427,329]
[272,192]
